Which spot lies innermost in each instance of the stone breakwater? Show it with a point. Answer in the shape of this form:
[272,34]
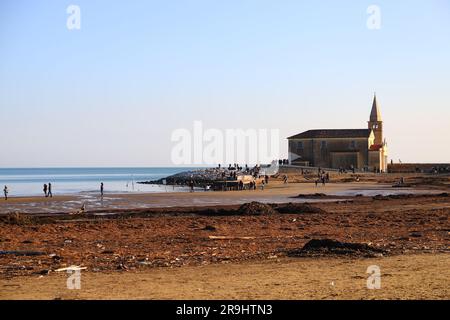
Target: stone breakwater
[216,177]
[199,177]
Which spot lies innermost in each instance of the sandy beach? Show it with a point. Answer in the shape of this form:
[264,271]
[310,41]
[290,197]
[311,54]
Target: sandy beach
[209,245]
[407,277]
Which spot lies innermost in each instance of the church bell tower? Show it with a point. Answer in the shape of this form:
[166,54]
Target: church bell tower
[375,122]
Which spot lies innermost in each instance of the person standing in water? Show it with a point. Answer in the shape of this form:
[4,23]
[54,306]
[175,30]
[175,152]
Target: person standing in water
[45,190]
[5,191]
[50,194]
[101,189]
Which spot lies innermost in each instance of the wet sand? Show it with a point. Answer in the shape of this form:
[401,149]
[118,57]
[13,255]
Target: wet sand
[275,192]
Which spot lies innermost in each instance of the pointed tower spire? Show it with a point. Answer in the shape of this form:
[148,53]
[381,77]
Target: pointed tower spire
[375,123]
[375,114]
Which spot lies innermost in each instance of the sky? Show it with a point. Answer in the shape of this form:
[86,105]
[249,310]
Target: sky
[112,92]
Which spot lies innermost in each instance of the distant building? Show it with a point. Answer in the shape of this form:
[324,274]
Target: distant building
[363,149]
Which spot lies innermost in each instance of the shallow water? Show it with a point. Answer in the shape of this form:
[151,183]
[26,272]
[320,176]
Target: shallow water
[30,181]
[380,191]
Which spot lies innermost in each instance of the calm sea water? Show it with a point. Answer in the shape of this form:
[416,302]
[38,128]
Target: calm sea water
[30,181]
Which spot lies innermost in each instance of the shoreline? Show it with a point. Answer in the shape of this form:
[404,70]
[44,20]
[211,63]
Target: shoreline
[275,192]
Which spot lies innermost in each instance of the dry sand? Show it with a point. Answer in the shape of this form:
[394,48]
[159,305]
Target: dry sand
[402,277]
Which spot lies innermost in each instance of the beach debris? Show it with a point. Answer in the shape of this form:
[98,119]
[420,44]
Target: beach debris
[298,208]
[81,210]
[312,195]
[23,253]
[230,238]
[380,197]
[55,257]
[71,268]
[43,272]
[329,246]
[408,196]
[16,218]
[122,266]
[415,234]
[256,208]
[209,228]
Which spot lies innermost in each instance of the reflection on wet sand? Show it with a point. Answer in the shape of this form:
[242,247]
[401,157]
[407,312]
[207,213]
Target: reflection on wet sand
[276,193]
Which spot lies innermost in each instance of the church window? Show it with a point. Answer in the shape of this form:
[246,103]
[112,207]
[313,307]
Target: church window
[323,144]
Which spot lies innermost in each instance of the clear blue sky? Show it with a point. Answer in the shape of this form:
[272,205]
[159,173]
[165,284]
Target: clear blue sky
[111,93]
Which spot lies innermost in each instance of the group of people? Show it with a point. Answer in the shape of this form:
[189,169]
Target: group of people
[233,169]
[47,190]
[252,185]
[283,161]
[343,170]
[322,177]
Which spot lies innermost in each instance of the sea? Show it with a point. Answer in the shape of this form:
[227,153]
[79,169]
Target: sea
[65,181]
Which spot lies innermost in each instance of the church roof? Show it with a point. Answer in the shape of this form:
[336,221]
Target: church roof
[375,114]
[333,133]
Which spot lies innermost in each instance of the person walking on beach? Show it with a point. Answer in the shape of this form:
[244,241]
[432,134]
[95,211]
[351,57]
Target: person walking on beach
[101,189]
[45,190]
[5,191]
[49,193]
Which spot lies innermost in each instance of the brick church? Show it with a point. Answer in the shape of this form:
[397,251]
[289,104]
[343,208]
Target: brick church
[363,149]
